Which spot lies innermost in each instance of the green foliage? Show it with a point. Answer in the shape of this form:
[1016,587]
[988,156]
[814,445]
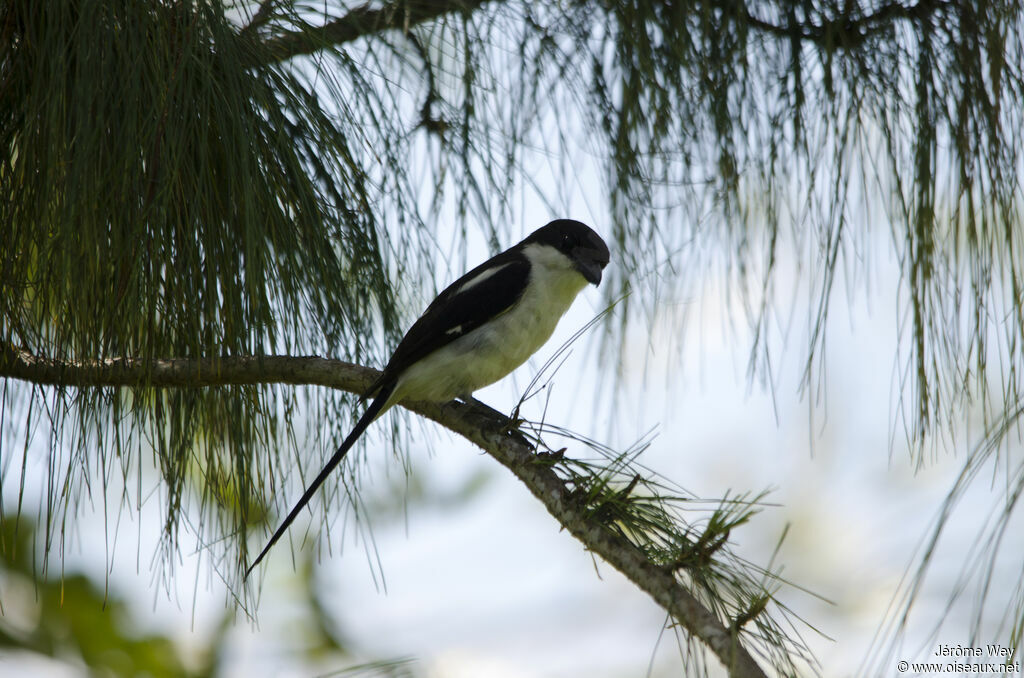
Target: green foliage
[198,178]
[809,121]
[166,194]
[687,536]
[75,618]
[165,199]
[676,531]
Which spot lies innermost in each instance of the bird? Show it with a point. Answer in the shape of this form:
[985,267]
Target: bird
[478,330]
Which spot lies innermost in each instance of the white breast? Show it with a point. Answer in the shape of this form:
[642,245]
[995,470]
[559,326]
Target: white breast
[492,351]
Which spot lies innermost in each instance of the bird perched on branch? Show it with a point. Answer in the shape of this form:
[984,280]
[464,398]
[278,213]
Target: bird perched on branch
[479,329]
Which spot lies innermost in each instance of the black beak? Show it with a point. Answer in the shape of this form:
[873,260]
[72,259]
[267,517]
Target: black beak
[591,259]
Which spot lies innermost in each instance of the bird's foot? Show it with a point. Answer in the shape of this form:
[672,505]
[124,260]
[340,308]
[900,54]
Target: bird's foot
[505,425]
[553,457]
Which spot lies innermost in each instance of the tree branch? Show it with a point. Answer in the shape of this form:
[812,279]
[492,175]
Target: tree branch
[481,425]
[844,31]
[360,22]
[261,17]
[847,31]
[172,372]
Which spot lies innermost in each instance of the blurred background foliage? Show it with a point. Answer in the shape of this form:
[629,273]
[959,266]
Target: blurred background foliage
[69,618]
[82,623]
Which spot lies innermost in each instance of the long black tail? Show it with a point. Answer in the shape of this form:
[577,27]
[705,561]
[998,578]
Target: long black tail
[368,416]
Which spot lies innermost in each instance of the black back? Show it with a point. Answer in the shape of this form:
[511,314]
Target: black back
[457,311]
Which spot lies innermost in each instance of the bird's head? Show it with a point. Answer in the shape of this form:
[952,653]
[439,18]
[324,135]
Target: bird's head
[577,241]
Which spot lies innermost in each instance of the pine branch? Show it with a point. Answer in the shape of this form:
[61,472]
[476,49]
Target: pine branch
[844,31]
[847,30]
[171,372]
[261,17]
[361,21]
[481,425]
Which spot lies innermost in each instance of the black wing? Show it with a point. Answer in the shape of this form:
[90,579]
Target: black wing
[457,311]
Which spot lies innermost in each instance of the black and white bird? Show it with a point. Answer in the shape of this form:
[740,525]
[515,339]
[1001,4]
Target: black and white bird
[479,329]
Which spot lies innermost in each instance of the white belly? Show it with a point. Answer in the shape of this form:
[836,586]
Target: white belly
[488,353]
